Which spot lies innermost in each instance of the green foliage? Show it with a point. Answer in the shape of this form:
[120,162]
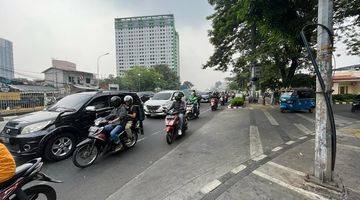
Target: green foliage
[303,80]
[143,79]
[344,97]
[267,32]
[170,77]
[237,101]
[347,24]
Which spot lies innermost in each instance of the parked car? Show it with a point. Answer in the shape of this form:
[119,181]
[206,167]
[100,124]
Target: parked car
[55,131]
[145,96]
[159,102]
[205,97]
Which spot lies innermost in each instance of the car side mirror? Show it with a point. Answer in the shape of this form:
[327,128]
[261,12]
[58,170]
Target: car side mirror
[90,108]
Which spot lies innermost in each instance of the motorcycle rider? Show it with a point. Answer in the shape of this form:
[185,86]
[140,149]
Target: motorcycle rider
[179,106]
[194,99]
[116,119]
[7,164]
[131,111]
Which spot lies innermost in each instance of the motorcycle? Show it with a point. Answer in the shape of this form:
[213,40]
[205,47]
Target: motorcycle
[99,143]
[27,173]
[214,104]
[171,126]
[191,111]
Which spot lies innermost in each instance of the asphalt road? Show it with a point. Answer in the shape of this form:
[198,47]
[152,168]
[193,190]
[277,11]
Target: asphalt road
[109,174]
[113,171]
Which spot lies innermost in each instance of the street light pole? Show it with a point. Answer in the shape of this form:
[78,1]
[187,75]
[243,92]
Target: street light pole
[97,67]
[323,147]
[139,81]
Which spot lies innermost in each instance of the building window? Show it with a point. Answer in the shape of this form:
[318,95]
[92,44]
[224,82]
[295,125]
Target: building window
[87,80]
[344,89]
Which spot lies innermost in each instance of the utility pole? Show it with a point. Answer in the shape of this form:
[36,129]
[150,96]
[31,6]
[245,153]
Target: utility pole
[323,147]
[97,68]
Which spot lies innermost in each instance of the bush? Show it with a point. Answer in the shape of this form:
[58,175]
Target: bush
[344,97]
[237,101]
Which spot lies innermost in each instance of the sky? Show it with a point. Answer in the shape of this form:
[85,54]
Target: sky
[81,30]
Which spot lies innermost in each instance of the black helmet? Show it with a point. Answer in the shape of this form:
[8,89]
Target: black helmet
[115,101]
[178,96]
[128,100]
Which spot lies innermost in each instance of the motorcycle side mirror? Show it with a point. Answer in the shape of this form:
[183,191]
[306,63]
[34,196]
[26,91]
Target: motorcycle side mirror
[90,108]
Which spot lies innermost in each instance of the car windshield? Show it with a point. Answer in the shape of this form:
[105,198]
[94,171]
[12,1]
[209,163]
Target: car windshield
[162,96]
[287,95]
[72,102]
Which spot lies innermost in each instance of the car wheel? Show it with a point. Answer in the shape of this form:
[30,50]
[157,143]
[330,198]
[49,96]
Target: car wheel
[60,147]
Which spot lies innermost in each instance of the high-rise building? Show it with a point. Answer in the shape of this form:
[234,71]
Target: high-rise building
[6,59]
[146,41]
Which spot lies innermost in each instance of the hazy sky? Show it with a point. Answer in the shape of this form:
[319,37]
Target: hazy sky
[80,30]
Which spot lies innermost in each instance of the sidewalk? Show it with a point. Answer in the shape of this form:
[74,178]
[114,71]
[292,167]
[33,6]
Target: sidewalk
[225,160]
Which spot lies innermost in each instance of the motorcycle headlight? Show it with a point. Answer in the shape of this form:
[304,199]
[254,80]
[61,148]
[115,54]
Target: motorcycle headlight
[35,127]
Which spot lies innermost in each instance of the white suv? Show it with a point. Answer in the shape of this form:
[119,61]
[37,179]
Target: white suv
[156,105]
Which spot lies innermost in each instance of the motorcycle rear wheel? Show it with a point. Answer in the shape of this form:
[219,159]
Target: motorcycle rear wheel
[79,154]
[43,190]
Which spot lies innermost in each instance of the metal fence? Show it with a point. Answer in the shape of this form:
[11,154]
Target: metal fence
[27,100]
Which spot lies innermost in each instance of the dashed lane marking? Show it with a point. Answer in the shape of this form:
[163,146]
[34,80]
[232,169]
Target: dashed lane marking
[303,138]
[276,149]
[270,118]
[290,142]
[258,158]
[210,186]
[238,169]
[306,193]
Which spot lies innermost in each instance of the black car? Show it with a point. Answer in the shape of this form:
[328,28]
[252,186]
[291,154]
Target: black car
[356,104]
[55,131]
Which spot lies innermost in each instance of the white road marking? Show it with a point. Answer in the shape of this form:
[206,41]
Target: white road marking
[258,158]
[303,138]
[141,139]
[255,142]
[271,118]
[210,186]
[306,118]
[238,169]
[287,168]
[157,132]
[346,146]
[277,149]
[290,142]
[345,135]
[304,129]
[306,193]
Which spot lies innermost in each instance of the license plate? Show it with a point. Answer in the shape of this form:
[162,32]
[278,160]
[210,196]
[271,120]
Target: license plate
[4,139]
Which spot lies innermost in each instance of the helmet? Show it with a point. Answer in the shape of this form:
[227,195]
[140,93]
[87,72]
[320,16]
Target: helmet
[115,101]
[178,97]
[128,100]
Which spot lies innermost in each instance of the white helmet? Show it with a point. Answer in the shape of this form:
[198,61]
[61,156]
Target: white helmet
[128,99]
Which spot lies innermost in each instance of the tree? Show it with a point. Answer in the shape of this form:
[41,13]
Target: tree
[142,79]
[347,23]
[170,77]
[272,28]
[187,84]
